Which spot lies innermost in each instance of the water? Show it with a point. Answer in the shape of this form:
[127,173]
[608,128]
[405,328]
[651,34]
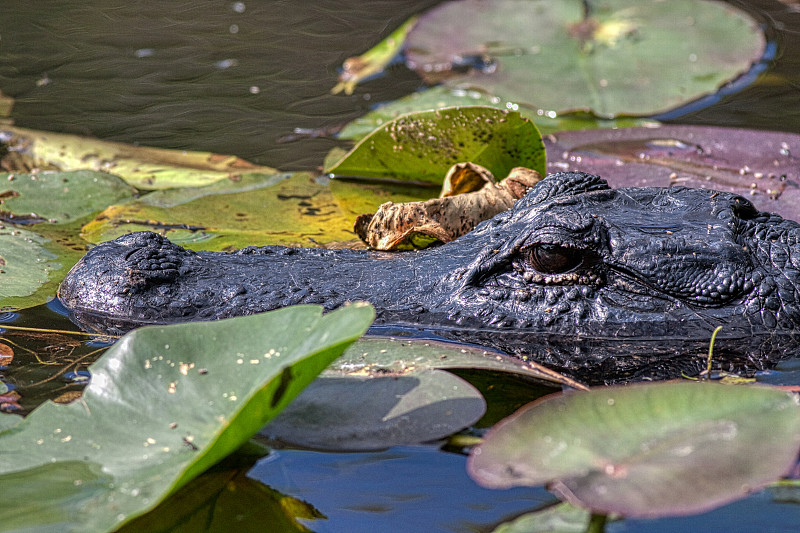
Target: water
[237,77]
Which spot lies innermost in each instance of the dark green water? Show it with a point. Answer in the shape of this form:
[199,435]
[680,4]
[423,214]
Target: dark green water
[236,78]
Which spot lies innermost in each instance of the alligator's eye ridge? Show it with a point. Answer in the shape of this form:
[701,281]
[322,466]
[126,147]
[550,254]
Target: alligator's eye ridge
[554,259]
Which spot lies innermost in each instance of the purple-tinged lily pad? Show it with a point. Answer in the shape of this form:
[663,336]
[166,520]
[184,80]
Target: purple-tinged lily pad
[763,166]
[646,450]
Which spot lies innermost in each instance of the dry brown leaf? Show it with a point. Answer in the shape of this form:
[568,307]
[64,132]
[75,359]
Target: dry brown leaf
[68,397]
[6,354]
[469,196]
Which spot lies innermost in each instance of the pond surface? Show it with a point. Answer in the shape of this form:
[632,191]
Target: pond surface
[243,78]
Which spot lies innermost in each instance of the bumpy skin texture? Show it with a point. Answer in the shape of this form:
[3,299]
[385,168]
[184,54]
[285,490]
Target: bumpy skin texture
[606,285]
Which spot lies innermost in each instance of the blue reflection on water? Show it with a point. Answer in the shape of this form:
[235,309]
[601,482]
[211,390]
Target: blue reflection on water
[413,489]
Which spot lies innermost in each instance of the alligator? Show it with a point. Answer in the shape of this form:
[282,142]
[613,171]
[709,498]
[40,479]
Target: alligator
[603,284]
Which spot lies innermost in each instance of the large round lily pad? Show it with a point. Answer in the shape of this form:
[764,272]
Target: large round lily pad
[646,450]
[626,57]
[365,413]
[760,165]
[387,391]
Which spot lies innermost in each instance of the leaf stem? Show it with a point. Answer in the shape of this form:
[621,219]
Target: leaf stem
[62,331]
[587,9]
[597,523]
[711,350]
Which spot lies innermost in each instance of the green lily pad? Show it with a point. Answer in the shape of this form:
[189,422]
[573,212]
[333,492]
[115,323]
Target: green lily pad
[31,267]
[25,265]
[291,209]
[627,57]
[439,97]
[646,450]
[61,197]
[188,395]
[141,166]
[423,146]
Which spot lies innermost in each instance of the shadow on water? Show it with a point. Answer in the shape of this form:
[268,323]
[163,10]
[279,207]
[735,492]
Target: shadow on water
[235,78]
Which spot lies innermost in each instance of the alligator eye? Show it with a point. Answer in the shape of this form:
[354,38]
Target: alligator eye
[554,259]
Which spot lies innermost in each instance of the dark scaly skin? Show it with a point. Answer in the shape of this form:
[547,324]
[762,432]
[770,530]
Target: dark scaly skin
[606,285]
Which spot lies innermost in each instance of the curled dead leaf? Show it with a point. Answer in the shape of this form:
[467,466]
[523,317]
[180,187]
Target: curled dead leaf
[469,196]
[6,354]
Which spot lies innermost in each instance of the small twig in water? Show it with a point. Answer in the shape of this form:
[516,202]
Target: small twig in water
[62,331]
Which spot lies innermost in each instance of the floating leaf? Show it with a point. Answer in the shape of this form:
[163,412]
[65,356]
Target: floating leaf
[439,97]
[387,391]
[416,225]
[188,394]
[646,450]
[761,165]
[25,265]
[623,57]
[561,518]
[291,209]
[61,197]
[356,197]
[373,61]
[368,413]
[423,146]
[375,356]
[140,166]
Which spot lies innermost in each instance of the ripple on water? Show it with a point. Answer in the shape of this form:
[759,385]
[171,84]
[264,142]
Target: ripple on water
[7,317]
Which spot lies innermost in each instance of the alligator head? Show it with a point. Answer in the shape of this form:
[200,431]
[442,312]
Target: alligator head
[605,284]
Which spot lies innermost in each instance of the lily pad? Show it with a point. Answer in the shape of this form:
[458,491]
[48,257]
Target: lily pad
[375,356]
[561,518]
[440,97]
[366,413]
[423,146]
[61,197]
[29,270]
[761,165]
[140,166]
[622,57]
[646,450]
[189,395]
[291,209]
[388,391]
